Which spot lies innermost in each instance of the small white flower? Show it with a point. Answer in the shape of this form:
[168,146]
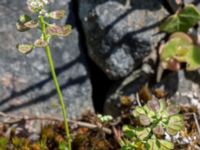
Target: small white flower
[36,5]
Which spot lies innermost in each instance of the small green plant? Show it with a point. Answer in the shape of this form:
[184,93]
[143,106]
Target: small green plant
[155,120]
[41,22]
[104,118]
[181,47]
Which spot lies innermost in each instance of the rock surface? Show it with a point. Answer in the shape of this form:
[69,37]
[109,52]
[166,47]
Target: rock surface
[182,87]
[120,35]
[176,4]
[25,85]
[128,87]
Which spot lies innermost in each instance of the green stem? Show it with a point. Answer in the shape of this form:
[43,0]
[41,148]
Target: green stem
[52,68]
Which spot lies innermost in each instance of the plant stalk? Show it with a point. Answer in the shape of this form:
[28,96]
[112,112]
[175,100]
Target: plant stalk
[54,76]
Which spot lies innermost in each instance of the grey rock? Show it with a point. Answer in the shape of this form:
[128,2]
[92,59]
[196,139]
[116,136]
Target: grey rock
[195,2]
[182,87]
[120,35]
[26,85]
[175,6]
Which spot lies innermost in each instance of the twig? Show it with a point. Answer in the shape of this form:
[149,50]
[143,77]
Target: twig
[197,122]
[79,123]
[91,126]
[159,73]
[138,99]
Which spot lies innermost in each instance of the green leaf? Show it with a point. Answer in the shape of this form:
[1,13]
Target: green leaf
[166,145]
[152,144]
[127,147]
[149,112]
[138,111]
[193,58]
[56,30]
[181,21]
[175,47]
[175,124]
[128,131]
[62,146]
[25,48]
[181,51]
[162,105]
[3,142]
[142,133]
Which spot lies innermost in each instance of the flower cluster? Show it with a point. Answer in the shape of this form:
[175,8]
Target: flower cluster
[36,5]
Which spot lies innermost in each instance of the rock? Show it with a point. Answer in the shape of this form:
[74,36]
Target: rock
[128,87]
[195,2]
[176,4]
[182,87]
[26,86]
[119,36]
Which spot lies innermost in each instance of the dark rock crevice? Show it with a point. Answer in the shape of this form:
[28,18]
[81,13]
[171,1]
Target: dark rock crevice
[100,82]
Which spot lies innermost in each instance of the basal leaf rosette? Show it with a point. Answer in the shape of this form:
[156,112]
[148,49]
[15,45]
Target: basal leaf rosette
[159,117]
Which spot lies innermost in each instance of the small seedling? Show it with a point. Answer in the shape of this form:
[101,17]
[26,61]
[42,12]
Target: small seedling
[38,8]
[156,119]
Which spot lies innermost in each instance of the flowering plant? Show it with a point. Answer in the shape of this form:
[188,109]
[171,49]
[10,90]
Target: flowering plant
[47,30]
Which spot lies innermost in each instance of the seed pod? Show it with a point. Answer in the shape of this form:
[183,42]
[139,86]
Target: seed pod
[21,27]
[31,24]
[40,43]
[21,21]
[25,48]
[56,30]
[57,14]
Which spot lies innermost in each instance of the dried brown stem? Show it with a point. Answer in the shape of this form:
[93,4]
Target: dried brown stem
[79,123]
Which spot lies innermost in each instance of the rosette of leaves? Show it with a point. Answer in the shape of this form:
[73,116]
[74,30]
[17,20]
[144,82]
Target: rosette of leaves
[26,22]
[156,119]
